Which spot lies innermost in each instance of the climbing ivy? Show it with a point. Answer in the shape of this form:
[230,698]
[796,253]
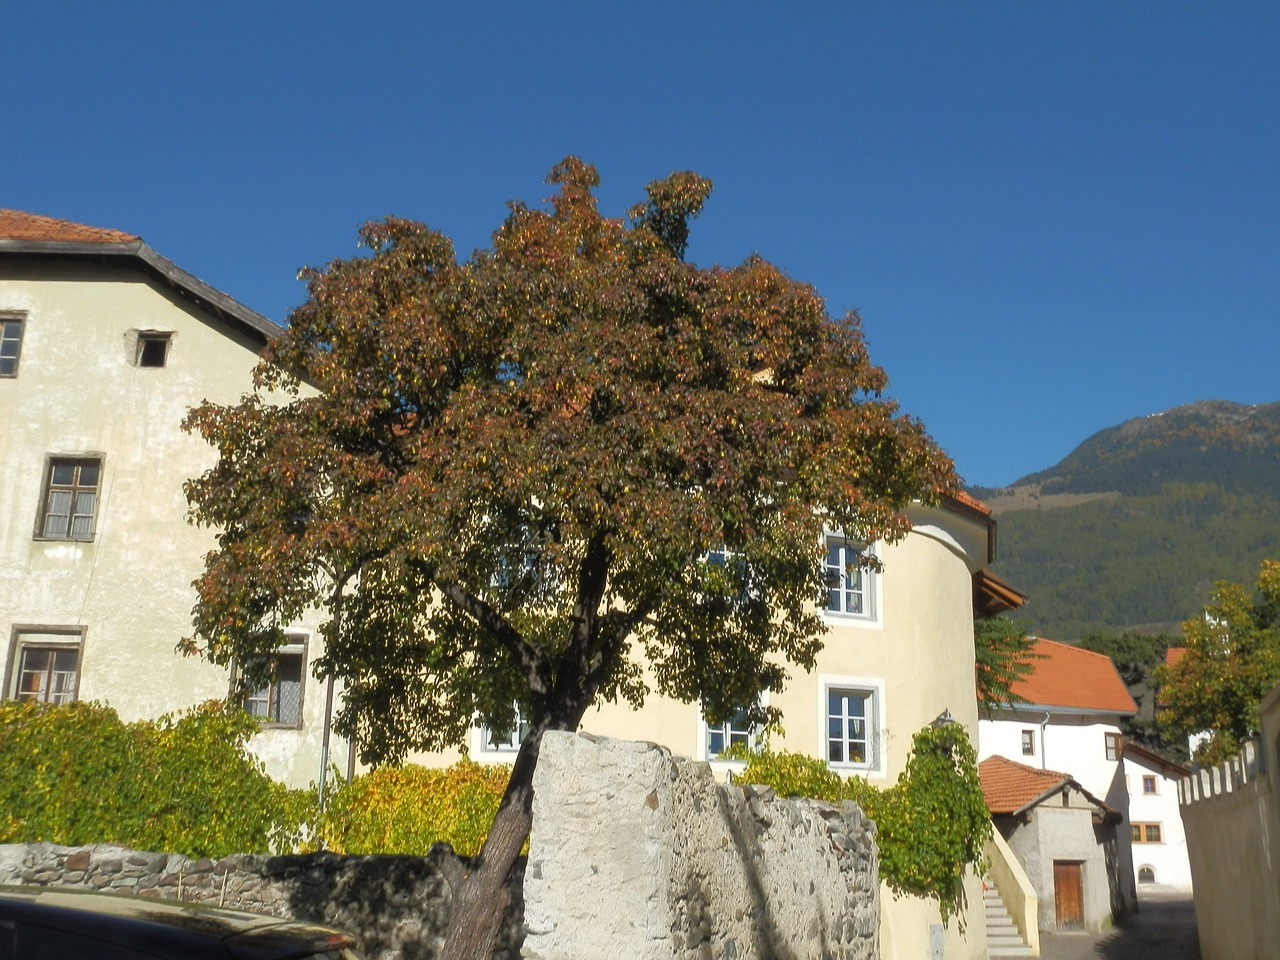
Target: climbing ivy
[406,809]
[932,824]
[77,774]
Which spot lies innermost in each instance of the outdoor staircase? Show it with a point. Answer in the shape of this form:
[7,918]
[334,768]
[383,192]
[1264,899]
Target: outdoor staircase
[1003,939]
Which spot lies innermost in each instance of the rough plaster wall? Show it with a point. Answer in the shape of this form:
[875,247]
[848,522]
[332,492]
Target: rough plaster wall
[639,854]
[1062,833]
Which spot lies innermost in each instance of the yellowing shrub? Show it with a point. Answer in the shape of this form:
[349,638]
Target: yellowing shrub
[407,809]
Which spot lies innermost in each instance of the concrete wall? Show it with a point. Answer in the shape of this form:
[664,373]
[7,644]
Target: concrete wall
[128,590]
[397,906]
[639,854]
[1232,820]
[1052,832]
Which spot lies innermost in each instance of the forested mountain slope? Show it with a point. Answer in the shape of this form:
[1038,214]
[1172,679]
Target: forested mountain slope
[1131,529]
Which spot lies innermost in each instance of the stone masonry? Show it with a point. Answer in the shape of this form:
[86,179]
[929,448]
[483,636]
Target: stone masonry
[397,906]
[639,854]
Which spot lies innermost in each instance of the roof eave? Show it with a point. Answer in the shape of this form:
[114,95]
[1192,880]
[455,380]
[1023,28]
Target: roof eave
[1070,711]
[972,513]
[192,287]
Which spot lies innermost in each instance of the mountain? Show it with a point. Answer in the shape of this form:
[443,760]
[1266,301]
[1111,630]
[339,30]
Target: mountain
[1132,528]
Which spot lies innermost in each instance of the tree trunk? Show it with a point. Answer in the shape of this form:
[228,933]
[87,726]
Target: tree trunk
[480,896]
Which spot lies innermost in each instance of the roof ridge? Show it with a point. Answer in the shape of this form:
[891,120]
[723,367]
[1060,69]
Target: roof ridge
[21,225]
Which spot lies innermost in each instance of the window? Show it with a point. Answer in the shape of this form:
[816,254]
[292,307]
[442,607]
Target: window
[10,343]
[853,725]
[737,732]
[1146,874]
[70,499]
[1145,832]
[1028,743]
[506,741]
[153,349]
[1113,746]
[278,702]
[45,666]
[1148,785]
[850,580]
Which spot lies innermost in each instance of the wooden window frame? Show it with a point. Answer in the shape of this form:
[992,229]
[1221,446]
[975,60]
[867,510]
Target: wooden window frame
[268,695]
[1112,745]
[1143,833]
[76,489]
[1028,743]
[9,321]
[27,637]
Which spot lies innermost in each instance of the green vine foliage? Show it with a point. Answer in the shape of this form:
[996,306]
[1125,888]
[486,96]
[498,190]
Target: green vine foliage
[932,824]
[406,809]
[78,775]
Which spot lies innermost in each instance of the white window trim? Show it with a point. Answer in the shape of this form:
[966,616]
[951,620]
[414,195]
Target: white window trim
[877,766]
[717,764]
[482,752]
[873,620]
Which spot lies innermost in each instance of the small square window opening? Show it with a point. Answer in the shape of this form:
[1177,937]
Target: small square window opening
[1028,743]
[153,349]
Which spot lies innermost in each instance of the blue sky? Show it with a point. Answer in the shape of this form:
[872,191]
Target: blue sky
[1052,216]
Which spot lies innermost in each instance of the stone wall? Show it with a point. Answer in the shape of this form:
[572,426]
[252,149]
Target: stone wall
[397,906]
[639,854]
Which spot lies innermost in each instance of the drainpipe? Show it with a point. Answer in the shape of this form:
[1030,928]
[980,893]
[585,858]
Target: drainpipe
[324,743]
[1044,761]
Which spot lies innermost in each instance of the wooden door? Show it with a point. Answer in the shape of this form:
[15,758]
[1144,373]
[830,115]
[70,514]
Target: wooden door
[1068,894]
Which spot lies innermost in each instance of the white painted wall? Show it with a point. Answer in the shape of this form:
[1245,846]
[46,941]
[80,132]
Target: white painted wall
[1074,744]
[78,392]
[1168,858]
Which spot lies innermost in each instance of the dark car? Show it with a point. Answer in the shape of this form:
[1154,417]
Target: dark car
[44,923]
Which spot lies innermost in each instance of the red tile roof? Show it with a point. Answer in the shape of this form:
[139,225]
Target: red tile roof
[1173,655]
[973,503]
[16,225]
[1010,787]
[1068,677]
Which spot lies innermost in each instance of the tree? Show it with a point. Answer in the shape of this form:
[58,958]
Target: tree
[1002,657]
[1137,657]
[505,486]
[1232,661]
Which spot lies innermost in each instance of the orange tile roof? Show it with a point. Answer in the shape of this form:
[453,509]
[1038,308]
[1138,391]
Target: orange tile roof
[1173,655]
[16,225]
[973,503]
[1068,677]
[1009,787]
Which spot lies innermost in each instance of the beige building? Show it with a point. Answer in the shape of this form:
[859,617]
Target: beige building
[899,652]
[104,346]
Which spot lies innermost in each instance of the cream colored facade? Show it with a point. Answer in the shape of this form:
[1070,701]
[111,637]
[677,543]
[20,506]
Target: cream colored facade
[110,592]
[915,656]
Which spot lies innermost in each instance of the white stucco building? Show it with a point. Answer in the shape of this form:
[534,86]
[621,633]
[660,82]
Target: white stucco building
[1065,720]
[1155,821]
[104,346]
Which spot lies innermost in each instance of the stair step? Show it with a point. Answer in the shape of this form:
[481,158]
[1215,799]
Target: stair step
[1003,939]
